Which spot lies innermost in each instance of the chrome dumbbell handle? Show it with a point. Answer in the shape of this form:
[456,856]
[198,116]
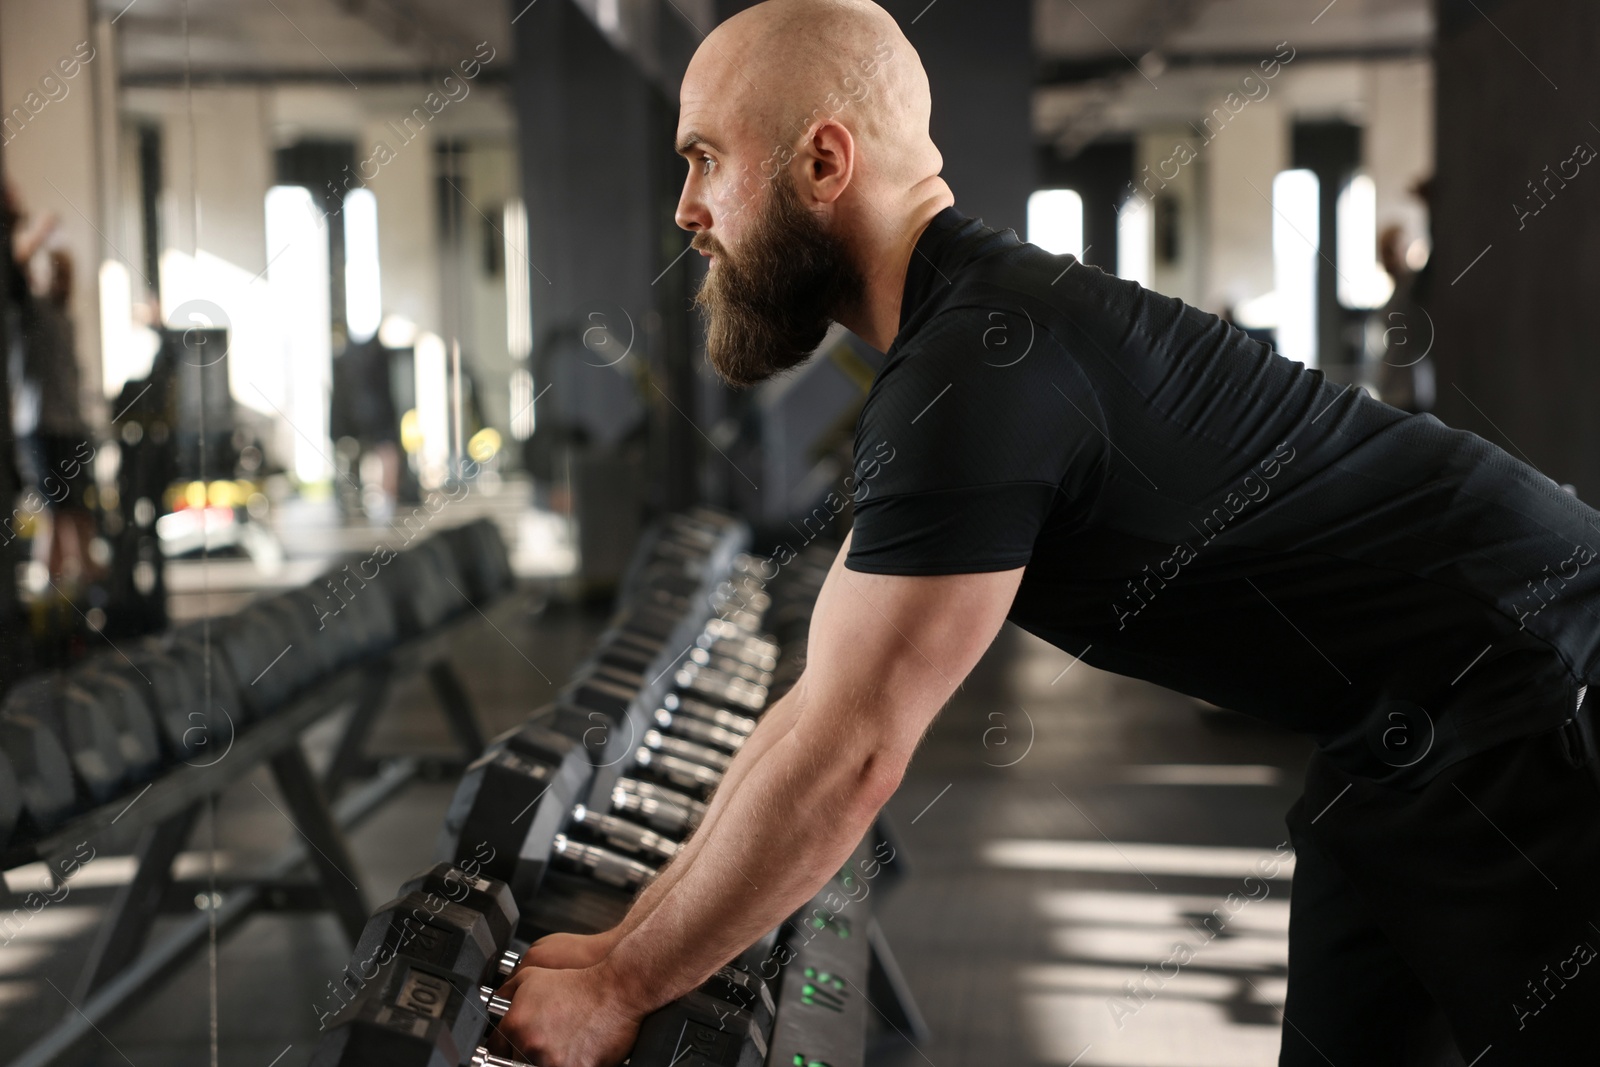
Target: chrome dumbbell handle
[681,704]
[721,687]
[723,630]
[679,772]
[664,816]
[685,749]
[756,655]
[602,864]
[625,835]
[493,1002]
[642,788]
[482,1057]
[729,665]
[699,731]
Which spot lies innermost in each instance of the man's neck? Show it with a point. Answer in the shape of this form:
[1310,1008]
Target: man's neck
[884,254]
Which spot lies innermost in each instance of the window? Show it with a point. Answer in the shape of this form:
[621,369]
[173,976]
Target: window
[1055,221]
[1295,236]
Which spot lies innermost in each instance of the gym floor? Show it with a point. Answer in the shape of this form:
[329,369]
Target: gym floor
[1065,830]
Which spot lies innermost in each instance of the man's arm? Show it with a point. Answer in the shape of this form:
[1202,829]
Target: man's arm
[583,950]
[885,653]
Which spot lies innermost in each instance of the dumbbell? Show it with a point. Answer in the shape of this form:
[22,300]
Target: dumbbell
[681,705]
[513,800]
[159,681]
[36,780]
[706,683]
[353,606]
[602,705]
[700,731]
[664,810]
[137,735]
[490,897]
[603,865]
[210,672]
[517,780]
[691,677]
[422,927]
[431,1005]
[682,774]
[85,730]
[623,834]
[722,688]
[480,555]
[423,1013]
[637,660]
[409,1015]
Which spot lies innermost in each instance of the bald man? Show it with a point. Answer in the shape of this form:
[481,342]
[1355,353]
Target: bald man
[1142,485]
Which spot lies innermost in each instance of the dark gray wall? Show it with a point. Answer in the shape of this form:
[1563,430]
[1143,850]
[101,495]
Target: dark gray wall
[979,58]
[1516,340]
[583,118]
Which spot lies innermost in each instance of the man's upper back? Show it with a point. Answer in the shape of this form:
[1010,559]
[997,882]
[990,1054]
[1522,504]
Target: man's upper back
[1194,509]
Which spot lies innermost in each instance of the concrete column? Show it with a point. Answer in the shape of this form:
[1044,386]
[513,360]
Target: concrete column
[583,121]
[1516,225]
[1241,160]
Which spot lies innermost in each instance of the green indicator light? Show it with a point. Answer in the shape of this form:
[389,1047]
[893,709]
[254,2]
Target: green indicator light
[799,1060]
[819,923]
[839,985]
[810,972]
[824,976]
[808,989]
[844,931]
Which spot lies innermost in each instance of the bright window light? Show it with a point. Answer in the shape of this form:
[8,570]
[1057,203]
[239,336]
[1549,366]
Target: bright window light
[1363,283]
[298,286]
[519,314]
[119,348]
[1055,221]
[1295,237]
[1134,241]
[363,293]
[431,370]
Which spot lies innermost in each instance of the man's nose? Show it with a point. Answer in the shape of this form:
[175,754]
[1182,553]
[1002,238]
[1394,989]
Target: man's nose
[692,214]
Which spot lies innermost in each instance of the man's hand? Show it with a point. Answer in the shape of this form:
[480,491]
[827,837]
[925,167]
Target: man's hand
[576,1017]
[565,951]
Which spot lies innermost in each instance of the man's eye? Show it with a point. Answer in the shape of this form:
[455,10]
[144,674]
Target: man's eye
[706,163]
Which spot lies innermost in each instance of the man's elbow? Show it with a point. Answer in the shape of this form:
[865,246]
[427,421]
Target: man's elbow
[877,776]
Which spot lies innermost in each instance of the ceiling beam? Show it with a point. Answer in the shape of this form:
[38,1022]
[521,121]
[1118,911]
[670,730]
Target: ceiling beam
[1074,72]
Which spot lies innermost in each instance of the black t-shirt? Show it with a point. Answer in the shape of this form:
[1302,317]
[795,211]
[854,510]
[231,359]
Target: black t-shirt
[1193,509]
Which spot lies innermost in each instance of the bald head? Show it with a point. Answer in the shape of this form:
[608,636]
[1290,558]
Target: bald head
[773,74]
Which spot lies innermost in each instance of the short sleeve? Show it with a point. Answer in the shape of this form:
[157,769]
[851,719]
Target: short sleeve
[976,434]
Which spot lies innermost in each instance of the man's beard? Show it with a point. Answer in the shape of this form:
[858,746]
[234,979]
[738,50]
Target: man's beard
[768,306]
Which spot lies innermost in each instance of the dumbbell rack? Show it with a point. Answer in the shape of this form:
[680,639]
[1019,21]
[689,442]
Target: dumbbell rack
[120,965]
[829,967]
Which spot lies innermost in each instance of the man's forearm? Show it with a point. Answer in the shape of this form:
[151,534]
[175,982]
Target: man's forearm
[772,726]
[756,865]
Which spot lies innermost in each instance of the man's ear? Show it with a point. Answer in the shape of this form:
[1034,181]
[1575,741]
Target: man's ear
[829,159]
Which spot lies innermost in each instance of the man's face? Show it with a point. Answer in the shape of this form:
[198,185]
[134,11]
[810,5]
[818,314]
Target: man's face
[779,275]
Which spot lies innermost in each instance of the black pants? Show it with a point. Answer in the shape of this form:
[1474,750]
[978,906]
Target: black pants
[1456,924]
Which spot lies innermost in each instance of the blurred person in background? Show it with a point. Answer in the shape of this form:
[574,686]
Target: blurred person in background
[54,443]
[1401,333]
